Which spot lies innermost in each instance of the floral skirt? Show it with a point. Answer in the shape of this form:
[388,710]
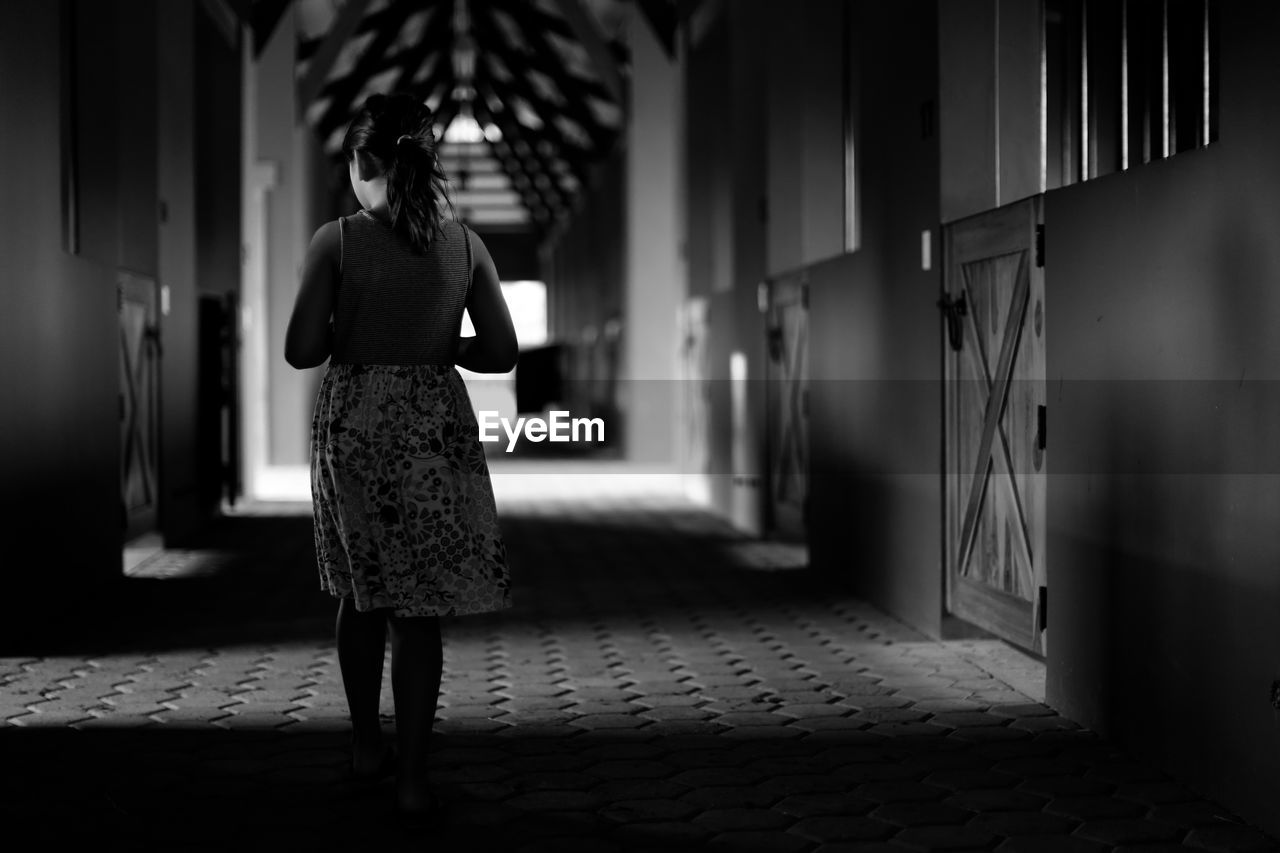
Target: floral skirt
[404,509]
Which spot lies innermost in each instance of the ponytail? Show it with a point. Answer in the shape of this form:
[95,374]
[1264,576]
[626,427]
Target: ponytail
[397,130]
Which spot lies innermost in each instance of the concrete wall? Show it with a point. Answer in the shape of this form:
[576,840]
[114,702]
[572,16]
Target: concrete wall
[1161,311]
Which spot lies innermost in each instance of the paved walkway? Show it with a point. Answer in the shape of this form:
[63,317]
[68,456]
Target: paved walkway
[663,684]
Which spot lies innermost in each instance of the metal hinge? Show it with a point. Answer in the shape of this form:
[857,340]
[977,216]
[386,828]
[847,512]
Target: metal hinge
[1042,423]
[1040,245]
[1044,608]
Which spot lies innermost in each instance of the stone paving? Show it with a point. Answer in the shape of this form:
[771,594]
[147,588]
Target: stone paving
[662,684]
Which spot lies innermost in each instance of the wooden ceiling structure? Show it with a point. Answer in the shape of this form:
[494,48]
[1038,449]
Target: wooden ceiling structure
[528,93]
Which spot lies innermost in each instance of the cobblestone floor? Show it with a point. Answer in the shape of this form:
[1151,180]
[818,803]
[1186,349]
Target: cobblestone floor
[663,684]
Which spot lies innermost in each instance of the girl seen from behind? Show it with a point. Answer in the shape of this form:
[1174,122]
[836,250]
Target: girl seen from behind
[406,529]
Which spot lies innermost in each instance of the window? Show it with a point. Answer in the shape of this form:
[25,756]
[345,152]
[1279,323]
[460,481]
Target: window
[1126,83]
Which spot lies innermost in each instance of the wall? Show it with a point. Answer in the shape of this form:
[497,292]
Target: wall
[874,347]
[59,333]
[1161,309]
[653,269]
[583,269]
[726,245]
[875,336]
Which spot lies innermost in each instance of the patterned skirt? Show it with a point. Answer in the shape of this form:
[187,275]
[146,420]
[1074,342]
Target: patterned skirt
[404,509]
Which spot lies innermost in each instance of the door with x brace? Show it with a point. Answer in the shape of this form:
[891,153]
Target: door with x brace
[788,408]
[995,423]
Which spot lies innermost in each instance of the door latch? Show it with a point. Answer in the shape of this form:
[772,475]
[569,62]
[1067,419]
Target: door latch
[953,310]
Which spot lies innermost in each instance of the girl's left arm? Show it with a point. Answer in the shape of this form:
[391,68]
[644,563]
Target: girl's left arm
[309,339]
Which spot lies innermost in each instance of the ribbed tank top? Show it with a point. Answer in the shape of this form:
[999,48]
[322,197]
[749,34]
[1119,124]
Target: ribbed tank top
[396,306]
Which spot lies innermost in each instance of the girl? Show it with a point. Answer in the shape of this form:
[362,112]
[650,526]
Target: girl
[405,525]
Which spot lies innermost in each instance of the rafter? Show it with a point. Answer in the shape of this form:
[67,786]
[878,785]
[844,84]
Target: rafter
[512,164]
[535,140]
[587,29]
[340,31]
[374,21]
[520,84]
[544,57]
[343,91]
[531,21]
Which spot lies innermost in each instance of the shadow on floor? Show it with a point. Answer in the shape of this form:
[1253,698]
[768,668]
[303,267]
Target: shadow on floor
[255,581]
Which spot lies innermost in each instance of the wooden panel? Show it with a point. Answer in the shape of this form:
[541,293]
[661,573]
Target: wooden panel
[995,388]
[788,407]
[695,389]
[138,358]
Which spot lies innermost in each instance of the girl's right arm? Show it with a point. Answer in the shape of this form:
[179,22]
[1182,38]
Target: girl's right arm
[494,348]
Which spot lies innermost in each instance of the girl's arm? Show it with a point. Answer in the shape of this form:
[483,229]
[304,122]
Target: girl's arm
[494,348]
[309,339]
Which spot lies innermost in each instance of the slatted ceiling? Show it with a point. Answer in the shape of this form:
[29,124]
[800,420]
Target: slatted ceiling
[542,108]
[378,84]
[412,30]
[525,114]
[575,57]
[317,110]
[509,29]
[498,68]
[488,181]
[545,87]
[486,198]
[573,131]
[333,143]
[606,113]
[426,69]
[349,55]
[509,216]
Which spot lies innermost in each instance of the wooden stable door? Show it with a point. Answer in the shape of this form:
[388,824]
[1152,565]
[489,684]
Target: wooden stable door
[139,399]
[695,412]
[995,422]
[788,408]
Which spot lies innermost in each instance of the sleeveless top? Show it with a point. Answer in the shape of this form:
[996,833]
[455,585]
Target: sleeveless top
[395,306]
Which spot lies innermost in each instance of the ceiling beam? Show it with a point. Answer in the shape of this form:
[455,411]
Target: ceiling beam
[570,150]
[534,138]
[574,89]
[548,60]
[515,168]
[344,90]
[340,32]
[370,22]
[587,30]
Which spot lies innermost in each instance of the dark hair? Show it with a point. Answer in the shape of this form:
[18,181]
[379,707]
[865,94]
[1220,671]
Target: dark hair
[396,131]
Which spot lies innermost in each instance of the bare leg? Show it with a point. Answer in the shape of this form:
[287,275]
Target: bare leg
[417,663]
[362,644]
